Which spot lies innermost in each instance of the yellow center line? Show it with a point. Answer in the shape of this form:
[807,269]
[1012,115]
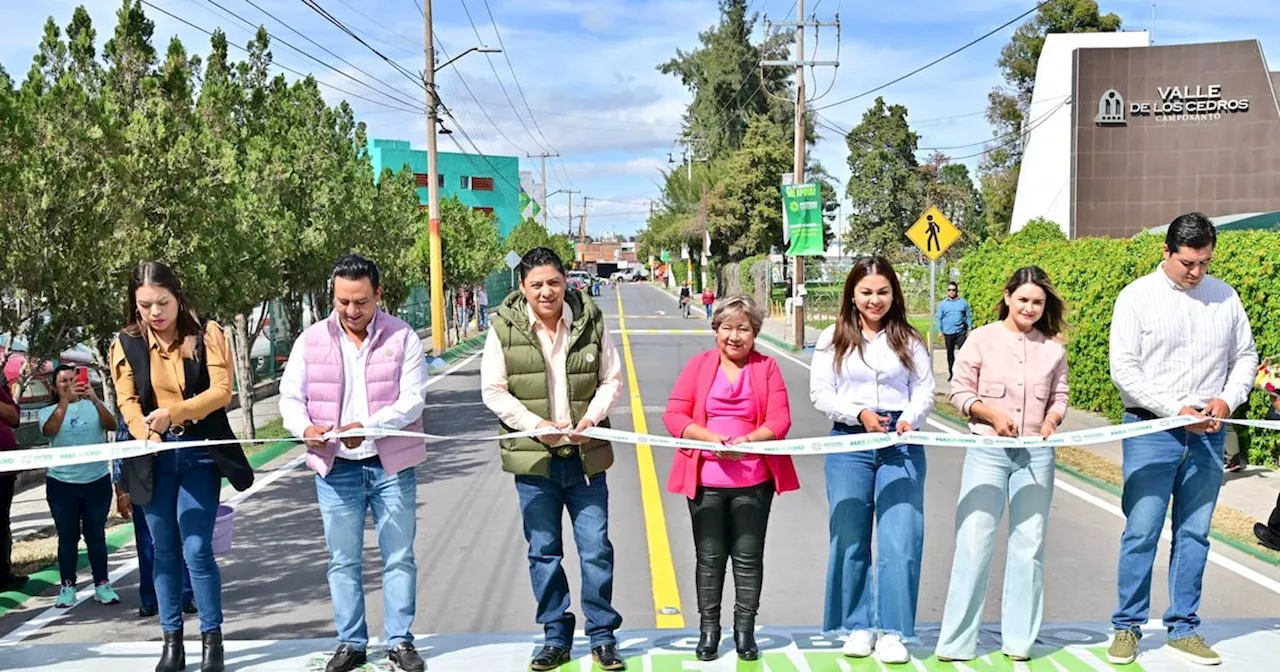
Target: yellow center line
[666,594]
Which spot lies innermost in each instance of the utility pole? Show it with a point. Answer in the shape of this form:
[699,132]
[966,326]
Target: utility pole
[545,190]
[798,176]
[690,155]
[570,193]
[582,227]
[439,329]
[702,207]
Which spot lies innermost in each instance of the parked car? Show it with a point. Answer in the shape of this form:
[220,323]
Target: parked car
[580,280]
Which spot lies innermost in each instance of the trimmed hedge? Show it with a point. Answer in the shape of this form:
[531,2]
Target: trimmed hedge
[1090,272]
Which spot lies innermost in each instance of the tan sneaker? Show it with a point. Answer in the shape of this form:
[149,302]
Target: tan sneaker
[1124,648]
[1194,649]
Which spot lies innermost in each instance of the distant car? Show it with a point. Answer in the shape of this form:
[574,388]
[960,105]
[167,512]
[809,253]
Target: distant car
[579,280]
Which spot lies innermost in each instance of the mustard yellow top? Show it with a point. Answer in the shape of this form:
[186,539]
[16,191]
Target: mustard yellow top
[168,381]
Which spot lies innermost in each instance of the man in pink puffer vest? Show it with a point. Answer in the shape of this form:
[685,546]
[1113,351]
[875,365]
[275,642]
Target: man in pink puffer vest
[362,369]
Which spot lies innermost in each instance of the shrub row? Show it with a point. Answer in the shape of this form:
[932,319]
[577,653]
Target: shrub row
[1090,272]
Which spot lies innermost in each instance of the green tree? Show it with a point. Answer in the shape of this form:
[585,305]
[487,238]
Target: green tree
[949,186]
[1009,105]
[744,210]
[470,248]
[884,182]
[729,87]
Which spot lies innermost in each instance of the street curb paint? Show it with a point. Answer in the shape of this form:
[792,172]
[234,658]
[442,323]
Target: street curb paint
[779,343]
[49,576]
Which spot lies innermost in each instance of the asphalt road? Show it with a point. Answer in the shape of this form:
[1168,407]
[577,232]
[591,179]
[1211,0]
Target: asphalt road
[471,552]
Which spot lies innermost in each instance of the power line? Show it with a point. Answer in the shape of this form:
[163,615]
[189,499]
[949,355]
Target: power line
[458,125]
[341,26]
[1022,135]
[286,68]
[321,46]
[503,87]
[938,60]
[520,89]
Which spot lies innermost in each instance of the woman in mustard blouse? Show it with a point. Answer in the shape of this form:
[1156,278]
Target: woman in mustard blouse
[173,384]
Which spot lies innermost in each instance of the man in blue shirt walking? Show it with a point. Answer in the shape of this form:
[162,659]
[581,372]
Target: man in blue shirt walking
[955,319]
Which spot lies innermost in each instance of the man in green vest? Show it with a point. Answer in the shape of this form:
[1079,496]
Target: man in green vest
[549,362]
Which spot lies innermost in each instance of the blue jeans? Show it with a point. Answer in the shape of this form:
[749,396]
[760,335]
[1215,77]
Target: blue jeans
[349,490]
[708,307]
[991,476]
[77,506]
[146,563]
[183,508]
[887,484]
[542,504]
[1186,467]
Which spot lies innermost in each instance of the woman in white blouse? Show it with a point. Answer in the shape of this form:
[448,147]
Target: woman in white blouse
[871,372]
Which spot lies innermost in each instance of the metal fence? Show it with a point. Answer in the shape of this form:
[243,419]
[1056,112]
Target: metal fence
[824,286]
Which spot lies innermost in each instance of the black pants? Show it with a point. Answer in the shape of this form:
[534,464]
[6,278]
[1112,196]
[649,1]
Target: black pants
[730,523]
[80,508]
[954,342]
[8,484]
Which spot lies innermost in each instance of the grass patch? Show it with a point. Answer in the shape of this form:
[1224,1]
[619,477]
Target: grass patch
[1230,526]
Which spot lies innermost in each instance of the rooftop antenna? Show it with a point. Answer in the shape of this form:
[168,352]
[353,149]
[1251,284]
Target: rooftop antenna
[1151,36]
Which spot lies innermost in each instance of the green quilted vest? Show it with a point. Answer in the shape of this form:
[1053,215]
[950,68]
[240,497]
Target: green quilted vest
[527,380]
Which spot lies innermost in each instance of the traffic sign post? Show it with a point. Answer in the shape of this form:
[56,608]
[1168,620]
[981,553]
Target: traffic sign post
[934,234]
[512,260]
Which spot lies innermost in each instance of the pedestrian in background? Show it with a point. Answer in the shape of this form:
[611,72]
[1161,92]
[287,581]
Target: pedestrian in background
[872,373]
[1181,344]
[549,362]
[708,300]
[173,382]
[362,368]
[955,321]
[1011,381]
[482,305]
[79,495]
[10,419]
[729,395]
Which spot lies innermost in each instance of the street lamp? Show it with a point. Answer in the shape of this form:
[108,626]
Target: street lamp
[439,332]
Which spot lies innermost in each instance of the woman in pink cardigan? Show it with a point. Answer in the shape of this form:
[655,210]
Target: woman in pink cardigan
[1011,380]
[730,395]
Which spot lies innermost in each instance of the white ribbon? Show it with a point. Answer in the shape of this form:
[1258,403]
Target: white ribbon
[40,458]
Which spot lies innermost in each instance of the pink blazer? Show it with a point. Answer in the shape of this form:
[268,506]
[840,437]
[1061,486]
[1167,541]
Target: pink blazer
[688,405]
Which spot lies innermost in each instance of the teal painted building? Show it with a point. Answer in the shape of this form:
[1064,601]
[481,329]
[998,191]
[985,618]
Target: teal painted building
[487,183]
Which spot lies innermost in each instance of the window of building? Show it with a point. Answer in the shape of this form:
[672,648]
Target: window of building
[421,180]
[465,182]
[482,184]
[487,211]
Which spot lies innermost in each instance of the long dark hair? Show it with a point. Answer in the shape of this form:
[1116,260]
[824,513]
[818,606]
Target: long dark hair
[1053,321]
[901,334]
[158,275]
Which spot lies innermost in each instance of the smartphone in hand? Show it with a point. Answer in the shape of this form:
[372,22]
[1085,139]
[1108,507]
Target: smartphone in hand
[82,375]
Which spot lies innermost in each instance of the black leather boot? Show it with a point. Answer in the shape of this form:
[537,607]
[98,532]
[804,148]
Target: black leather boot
[744,640]
[173,657]
[212,658]
[708,644]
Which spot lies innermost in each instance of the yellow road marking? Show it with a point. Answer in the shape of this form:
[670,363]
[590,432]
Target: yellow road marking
[666,594]
[664,332]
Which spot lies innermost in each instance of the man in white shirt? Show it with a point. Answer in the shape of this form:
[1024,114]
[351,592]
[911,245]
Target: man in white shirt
[549,362]
[1180,345]
[362,369]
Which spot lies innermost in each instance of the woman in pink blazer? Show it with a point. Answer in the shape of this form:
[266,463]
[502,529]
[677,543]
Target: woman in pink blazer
[730,395]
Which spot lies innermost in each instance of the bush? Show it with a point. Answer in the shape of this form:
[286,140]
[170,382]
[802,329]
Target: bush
[744,273]
[1090,272]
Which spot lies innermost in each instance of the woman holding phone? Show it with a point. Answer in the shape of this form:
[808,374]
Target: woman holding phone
[872,373]
[1010,380]
[172,377]
[79,495]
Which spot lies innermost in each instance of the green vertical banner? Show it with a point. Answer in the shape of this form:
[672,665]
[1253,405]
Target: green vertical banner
[665,256]
[802,215]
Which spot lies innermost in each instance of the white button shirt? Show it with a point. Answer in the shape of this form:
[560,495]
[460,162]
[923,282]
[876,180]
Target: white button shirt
[1174,347]
[355,401]
[877,380]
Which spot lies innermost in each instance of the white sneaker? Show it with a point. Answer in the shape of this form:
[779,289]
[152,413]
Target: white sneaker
[859,644]
[891,650]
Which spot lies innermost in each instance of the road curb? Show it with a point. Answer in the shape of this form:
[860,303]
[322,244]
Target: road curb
[778,343]
[49,576]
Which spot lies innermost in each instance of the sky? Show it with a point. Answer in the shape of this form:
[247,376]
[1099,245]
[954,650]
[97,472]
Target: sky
[580,79]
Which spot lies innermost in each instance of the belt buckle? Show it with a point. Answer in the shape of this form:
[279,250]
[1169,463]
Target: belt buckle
[563,451]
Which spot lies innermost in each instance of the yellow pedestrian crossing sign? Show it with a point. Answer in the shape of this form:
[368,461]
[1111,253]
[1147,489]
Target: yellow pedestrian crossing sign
[933,233]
